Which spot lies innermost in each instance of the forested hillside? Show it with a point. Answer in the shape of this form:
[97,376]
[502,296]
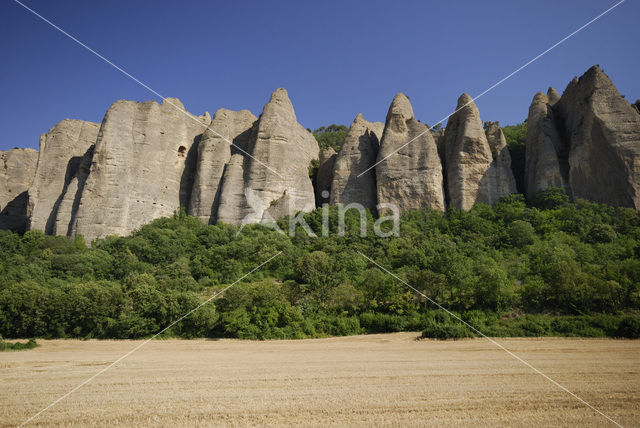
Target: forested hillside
[551,268]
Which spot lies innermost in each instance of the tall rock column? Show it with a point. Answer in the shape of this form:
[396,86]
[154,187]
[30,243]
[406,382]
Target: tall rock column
[142,167]
[545,152]
[17,170]
[603,133]
[357,155]
[504,182]
[214,152]
[474,174]
[276,175]
[409,174]
[61,152]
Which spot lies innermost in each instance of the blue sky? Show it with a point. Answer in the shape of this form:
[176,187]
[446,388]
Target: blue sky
[335,58]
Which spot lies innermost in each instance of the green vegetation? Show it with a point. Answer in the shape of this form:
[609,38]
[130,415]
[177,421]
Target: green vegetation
[331,136]
[516,136]
[17,346]
[444,326]
[550,268]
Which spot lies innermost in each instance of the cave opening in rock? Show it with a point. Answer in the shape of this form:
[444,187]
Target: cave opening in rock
[182,151]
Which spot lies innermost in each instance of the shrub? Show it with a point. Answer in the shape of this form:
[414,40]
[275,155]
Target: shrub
[521,233]
[601,233]
[550,198]
[629,327]
[447,331]
[17,346]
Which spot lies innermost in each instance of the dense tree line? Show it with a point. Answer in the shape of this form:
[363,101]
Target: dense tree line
[548,268]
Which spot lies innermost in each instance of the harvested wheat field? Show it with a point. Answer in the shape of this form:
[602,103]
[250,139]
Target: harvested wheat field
[389,379]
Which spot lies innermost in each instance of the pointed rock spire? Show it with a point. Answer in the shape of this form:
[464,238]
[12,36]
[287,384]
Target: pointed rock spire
[472,173]
[603,137]
[409,172]
[277,173]
[501,177]
[357,155]
[553,95]
[545,157]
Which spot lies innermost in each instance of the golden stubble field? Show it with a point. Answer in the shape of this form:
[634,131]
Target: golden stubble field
[390,380]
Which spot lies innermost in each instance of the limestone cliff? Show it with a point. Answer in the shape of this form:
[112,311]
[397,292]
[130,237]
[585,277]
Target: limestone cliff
[147,160]
[228,132]
[142,167]
[61,152]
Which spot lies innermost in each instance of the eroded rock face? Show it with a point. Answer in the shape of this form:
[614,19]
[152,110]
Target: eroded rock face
[17,170]
[143,167]
[147,159]
[357,155]
[501,177]
[324,176]
[70,201]
[408,175]
[62,150]
[228,132]
[233,205]
[473,173]
[546,153]
[276,174]
[603,134]
[552,95]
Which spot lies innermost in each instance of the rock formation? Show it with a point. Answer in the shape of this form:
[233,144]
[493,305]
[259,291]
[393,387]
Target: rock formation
[409,174]
[17,169]
[324,176]
[552,95]
[70,200]
[357,155]
[141,167]
[148,160]
[500,174]
[587,142]
[233,205]
[276,174]
[602,132]
[474,167]
[546,154]
[228,132]
[61,152]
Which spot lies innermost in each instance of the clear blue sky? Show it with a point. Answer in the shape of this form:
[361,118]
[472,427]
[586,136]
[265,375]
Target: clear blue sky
[335,58]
